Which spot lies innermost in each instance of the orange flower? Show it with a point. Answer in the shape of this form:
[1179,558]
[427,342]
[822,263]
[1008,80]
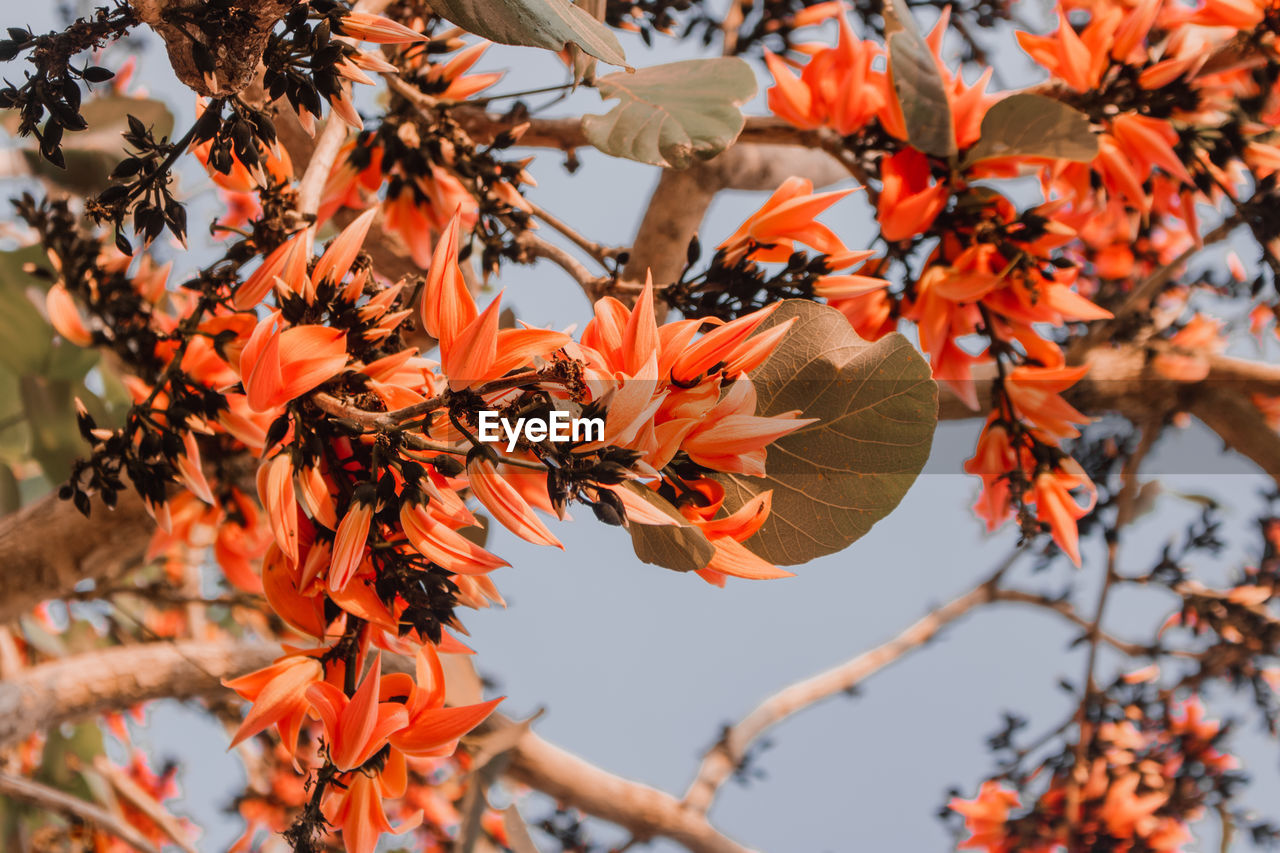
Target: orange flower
[356,808]
[447,306]
[275,491]
[1034,392]
[65,316]
[349,544]
[432,730]
[277,366]
[732,558]
[1051,494]
[376,29]
[287,262]
[449,80]
[505,503]
[838,88]
[731,437]
[725,344]
[771,232]
[336,261]
[356,727]
[910,199]
[1077,59]
[349,185]
[986,816]
[473,349]
[279,696]
[444,546]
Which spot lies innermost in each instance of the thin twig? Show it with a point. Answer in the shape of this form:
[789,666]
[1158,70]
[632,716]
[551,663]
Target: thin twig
[598,251]
[325,153]
[536,247]
[1124,513]
[727,755]
[395,421]
[126,788]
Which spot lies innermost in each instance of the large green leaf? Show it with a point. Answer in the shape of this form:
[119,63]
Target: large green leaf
[1024,125]
[15,436]
[64,752]
[917,83]
[550,24]
[670,114]
[51,417]
[678,546]
[27,338]
[876,405]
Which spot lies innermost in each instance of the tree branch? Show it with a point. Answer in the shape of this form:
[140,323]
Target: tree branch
[645,812]
[121,677]
[682,196]
[727,755]
[48,548]
[117,678]
[1240,425]
[53,800]
[241,36]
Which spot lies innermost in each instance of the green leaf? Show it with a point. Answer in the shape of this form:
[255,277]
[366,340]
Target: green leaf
[925,109]
[876,405]
[10,490]
[550,24]
[670,114]
[917,83]
[51,416]
[681,547]
[15,436]
[64,752]
[1024,125]
[27,338]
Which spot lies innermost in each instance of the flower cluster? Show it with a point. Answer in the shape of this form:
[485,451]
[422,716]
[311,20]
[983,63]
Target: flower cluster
[1145,779]
[989,284]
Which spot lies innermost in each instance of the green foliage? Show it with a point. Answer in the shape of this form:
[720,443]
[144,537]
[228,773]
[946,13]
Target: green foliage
[925,108]
[40,378]
[876,405]
[680,546]
[1024,125]
[550,24]
[670,114]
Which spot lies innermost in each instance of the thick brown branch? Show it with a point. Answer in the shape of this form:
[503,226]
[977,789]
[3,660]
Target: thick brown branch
[681,198]
[118,678]
[643,811]
[235,39]
[48,548]
[1124,379]
[1240,425]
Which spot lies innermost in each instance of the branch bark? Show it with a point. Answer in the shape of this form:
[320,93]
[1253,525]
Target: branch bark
[1240,425]
[682,196]
[241,33]
[645,812]
[48,548]
[118,678]
[114,679]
